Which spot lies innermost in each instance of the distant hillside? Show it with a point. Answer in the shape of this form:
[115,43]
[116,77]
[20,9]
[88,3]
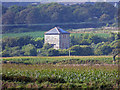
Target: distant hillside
[8,4]
[42,17]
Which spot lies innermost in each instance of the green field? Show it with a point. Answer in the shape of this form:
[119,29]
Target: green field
[62,60]
[41,34]
[99,34]
[63,76]
[32,34]
[94,72]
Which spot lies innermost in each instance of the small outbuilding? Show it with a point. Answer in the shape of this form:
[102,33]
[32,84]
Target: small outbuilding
[59,38]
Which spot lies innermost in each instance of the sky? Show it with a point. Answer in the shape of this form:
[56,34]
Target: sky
[59,0]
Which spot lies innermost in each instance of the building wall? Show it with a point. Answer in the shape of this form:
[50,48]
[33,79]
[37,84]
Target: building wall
[64,41]
[53,39]
[61,41]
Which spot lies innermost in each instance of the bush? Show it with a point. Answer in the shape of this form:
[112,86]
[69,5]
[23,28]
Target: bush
[53,52]
[104,49]
[82,50]
[29,50]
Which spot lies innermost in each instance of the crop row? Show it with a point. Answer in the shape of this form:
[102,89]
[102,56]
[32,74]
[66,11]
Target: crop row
[61,60]
[84,76]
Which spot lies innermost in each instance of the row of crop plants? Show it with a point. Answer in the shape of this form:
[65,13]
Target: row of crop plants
[61,60]
[59,76]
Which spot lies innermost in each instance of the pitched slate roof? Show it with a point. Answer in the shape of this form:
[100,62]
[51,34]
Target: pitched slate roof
[56,31]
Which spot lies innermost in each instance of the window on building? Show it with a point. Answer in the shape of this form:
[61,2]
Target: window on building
[64,36]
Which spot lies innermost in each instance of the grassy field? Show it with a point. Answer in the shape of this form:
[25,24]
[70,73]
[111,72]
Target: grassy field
[32,34]
[99,34]
[61,60]
[41,34]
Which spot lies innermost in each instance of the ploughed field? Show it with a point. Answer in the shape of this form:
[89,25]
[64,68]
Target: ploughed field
[60,72]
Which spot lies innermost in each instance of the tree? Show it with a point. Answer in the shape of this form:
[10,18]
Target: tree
[115,44]
[53,52]
[76,50]
[85,36]
[21,41]
[47,46]
[104,49]
[63,52]
[20,18]
[29,50]
[9,42]
[106,8]
[8,18]
[33,16]
[80,14]
[16,9]
[12,51]
[81,50]
[16,41]
[85,42]
[86,50]
[38,42]
[98,45]
[96,39]
[112,37]
[104,17]
[88,14]
[74,40]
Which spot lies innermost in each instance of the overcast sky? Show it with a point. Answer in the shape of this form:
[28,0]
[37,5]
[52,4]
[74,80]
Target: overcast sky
[59,0]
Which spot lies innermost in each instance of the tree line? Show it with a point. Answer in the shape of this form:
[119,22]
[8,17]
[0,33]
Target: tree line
[92,14]
[86,44]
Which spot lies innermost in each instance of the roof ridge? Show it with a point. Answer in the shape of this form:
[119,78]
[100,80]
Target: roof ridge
[57,28]
[50,30]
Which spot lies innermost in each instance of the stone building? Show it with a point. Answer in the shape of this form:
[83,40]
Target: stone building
[59,38]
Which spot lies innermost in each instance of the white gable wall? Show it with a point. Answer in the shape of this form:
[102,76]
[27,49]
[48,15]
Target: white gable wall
[53,39]
[61,41]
